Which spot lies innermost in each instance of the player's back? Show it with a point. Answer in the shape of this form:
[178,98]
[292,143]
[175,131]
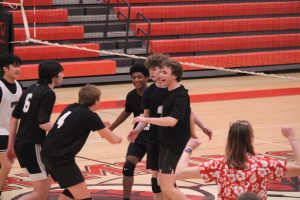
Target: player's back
[34,108]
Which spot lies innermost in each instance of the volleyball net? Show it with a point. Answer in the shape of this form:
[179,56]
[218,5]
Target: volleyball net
[231,37]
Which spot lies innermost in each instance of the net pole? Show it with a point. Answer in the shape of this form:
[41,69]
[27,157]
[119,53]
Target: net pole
[1,6]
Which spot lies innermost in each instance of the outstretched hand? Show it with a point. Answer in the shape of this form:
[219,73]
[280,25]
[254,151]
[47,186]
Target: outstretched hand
[132,136]
[193,143]
[288,132]
[208,132]
[139,119]
[107,124]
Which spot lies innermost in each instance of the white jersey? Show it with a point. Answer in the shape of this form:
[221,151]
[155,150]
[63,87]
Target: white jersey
[7,105]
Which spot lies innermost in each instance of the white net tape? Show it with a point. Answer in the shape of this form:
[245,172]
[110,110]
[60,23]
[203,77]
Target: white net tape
[103,52]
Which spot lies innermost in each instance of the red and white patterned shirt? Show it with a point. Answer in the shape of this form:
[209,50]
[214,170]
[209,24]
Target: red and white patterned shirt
[232,182]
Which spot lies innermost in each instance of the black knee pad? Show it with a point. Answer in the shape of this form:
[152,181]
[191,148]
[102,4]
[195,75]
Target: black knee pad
[67,193]
[128,169]
[87,199]
[155,186]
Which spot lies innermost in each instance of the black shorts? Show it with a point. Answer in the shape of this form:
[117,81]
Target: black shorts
[3,143]
[66,174]
[167,161]
[139,147]
[136,149]
[152,155]
[29,157]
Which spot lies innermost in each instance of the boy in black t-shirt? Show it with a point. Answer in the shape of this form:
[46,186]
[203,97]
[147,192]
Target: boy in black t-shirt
[68,136]
[174,127]
[10,92]
[136,150]
[33,111]
[152,103]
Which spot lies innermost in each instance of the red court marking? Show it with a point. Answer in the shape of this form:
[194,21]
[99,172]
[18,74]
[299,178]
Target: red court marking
[206,97]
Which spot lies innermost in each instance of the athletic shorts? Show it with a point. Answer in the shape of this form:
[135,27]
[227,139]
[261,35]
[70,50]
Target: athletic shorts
[29,157]
[139,147]
[167,161]
[3,143]
[136,149]
[152,156]
[66,174]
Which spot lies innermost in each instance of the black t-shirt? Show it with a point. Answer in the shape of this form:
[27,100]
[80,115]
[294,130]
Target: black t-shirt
[153,99]
[177,105]
[70,133]
[34,108]
[133,104]
[12,87]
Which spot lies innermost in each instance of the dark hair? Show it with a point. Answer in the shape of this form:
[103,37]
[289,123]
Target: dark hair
[239,144]
[139,67]
[9,59]
[47,70]
[175,68]
[155,60]
[249,196]
[88,95]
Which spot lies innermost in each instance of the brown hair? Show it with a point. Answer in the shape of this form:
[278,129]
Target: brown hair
[175,68]
[249,196]
[88,95]
[239,144]
[155,60]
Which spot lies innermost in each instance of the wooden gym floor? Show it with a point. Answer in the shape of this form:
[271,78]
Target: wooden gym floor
[268,103]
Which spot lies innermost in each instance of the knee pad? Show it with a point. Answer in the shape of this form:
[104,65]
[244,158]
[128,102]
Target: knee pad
[67,193]
[155,186]
[87,199]
[128,169]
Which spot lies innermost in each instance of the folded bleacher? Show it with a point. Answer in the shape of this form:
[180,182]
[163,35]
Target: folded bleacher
[256,35]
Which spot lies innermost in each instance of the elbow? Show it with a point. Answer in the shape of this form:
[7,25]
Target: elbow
[117,141]
[173,122]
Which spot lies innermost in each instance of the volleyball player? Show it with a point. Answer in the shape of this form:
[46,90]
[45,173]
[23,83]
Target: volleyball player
[136,150]
[32,113]
[66,139]
[174,127]
[152,103]
[10,92]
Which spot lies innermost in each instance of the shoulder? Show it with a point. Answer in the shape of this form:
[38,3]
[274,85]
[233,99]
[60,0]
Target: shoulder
[19,84]
[132,93]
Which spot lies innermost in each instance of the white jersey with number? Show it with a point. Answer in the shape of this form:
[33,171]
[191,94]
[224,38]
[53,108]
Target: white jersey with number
[7,104]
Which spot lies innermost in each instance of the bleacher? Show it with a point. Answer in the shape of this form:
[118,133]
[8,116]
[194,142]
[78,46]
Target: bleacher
[254,35]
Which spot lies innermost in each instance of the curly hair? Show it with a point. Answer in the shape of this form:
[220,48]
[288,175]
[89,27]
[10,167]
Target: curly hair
[155,60]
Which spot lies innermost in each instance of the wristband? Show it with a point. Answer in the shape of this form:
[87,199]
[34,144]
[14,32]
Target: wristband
[188,150]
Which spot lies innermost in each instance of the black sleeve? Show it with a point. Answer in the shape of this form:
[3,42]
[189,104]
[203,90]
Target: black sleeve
[128,107]
[92,121]
[145,102]
[179,108]
[18,108]
[46,106]
[0,94]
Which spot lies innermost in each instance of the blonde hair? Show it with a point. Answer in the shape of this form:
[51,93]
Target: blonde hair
[88,95]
